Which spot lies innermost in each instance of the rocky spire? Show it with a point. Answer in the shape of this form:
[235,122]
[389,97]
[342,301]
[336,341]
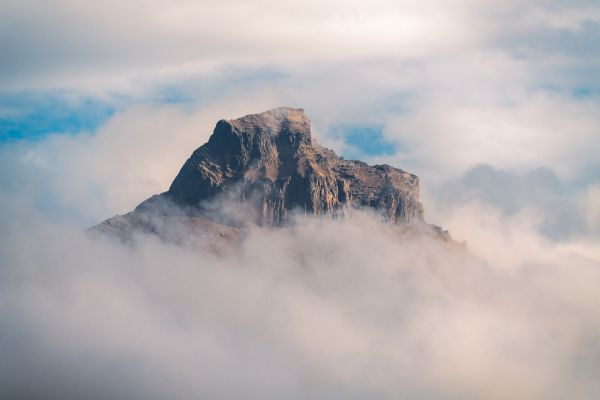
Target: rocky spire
[271,159]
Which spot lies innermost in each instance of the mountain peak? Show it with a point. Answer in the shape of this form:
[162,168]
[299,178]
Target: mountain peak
[274,117]
[267,163]
[271,123]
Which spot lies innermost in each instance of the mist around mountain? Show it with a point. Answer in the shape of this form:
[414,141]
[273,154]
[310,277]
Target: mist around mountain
[323,306]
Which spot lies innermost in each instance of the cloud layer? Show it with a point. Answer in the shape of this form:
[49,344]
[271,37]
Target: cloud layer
[330,308]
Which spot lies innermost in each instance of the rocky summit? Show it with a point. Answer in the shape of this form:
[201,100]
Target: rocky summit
[262,169]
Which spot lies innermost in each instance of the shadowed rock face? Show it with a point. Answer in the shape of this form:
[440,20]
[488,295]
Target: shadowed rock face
[269,164]
[272,161]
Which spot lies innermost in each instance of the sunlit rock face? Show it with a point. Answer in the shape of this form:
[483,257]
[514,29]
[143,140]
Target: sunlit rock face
[269,167]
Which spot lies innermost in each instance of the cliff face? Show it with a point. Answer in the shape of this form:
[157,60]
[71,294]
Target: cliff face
[271,160]
[269,164]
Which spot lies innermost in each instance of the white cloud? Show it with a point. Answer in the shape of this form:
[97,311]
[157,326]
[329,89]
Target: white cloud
[447,134]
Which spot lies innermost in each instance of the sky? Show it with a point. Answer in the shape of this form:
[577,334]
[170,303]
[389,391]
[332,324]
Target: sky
[448,84]
[495,105]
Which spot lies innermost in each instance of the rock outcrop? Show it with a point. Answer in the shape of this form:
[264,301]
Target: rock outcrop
[271,167]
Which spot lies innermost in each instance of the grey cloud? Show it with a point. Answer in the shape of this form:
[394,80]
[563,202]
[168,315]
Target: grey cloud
[559,203]
[581,43]
[113,44]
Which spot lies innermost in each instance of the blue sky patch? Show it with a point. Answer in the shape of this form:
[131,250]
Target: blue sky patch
[364,141]
[33,116]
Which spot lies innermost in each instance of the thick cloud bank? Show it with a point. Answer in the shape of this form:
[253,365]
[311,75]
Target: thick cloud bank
[326,309]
